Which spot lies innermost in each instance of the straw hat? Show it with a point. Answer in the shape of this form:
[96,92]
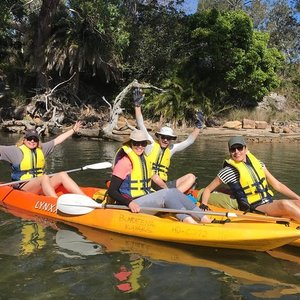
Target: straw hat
[138,136]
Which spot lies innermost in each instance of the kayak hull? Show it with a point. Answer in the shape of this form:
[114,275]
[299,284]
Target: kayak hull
[237,234]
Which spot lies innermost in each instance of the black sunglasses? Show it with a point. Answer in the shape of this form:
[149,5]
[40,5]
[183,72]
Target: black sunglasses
[166,137]
[234,148]
[139,143]
[32,138]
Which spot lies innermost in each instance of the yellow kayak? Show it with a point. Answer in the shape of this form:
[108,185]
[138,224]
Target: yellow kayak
[239,233]
[218,202]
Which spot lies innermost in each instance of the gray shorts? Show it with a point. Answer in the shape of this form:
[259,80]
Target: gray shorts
[168,198]
[171,184]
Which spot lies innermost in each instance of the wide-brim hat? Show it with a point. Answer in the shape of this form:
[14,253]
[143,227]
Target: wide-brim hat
[138,136]
[168,131]
[31,133]
[236,140]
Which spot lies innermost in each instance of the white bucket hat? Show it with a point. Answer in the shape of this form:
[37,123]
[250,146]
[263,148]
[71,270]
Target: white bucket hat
[168,131]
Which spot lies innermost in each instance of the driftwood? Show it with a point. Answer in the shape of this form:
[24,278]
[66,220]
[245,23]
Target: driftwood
[110,129]
[47,113]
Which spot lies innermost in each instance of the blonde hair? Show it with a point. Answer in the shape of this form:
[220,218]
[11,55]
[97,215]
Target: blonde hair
[20,142]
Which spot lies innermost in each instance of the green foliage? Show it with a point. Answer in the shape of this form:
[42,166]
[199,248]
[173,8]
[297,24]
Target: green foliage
[233,62]
[155,43]
[214,60]
[89,37]
[175,104]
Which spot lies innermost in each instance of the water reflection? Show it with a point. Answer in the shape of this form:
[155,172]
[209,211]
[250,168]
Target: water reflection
[54,261]
[134,264]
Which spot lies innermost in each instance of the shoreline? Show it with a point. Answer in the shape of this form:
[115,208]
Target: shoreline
[215,133]
[252,135]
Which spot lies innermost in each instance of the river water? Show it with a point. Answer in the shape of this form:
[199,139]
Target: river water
[41,259]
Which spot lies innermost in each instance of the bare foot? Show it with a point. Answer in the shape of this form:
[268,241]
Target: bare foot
[189,220]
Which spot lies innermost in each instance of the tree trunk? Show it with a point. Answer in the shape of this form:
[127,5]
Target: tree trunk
[45,18]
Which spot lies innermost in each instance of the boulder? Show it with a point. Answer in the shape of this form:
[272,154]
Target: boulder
[248,124]
[261,124]
[233,125]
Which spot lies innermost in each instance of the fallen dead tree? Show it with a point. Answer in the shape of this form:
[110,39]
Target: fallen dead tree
[111,129]
[51,112]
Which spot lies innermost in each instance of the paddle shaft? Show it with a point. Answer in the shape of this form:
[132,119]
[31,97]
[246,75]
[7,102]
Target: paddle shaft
[207,212]
[68,171]
[86,202]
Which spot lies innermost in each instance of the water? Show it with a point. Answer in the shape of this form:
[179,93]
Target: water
[48,260]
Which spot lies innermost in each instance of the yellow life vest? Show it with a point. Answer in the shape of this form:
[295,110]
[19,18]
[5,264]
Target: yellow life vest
[32,165]
[252,179]
[138,183]
[160,160]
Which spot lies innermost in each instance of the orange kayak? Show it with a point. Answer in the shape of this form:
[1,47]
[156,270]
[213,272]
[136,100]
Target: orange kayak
[237,234]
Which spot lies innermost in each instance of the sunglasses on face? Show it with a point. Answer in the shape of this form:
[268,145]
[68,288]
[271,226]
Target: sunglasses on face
[36,140]
[139,143]
[234,148]
[166,137]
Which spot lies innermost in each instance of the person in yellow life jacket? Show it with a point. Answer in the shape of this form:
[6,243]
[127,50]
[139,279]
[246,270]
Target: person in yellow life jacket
[27,161]
[249,180]
[131,185]
[161,151]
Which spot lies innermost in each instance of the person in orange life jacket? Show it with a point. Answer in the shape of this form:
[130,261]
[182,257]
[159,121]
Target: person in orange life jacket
[131,184]
[248,179]
[161,151]
[27,161]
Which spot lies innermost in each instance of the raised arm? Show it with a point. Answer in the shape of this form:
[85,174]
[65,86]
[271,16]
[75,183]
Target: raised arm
[138,98]
[192,137]
[62,137]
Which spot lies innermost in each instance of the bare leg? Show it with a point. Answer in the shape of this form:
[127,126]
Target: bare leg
[33,186]
[185,182]
[157,180]
[282,208]
[68,183]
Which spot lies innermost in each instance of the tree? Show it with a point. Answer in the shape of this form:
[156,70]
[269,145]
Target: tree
[230,63]
[284,30]
[155,39]
[44,24]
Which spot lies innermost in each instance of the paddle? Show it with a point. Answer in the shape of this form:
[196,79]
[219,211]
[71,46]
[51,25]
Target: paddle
[74,204]
[97,166]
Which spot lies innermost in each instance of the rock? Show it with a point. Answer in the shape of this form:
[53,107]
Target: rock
[286,129]
[261,124]
[248,124]
[233,125]
[275,129]
[273,101]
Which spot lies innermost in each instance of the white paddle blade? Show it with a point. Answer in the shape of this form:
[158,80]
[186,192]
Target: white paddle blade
[75,204]
[98,166]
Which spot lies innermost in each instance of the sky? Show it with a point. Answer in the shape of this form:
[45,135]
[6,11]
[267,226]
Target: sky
[190,6]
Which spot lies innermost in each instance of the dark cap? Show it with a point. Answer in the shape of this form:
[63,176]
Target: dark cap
[31,133]
[239,140]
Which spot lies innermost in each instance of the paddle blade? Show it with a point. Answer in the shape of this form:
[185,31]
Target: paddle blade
[98,166]
[74,204]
